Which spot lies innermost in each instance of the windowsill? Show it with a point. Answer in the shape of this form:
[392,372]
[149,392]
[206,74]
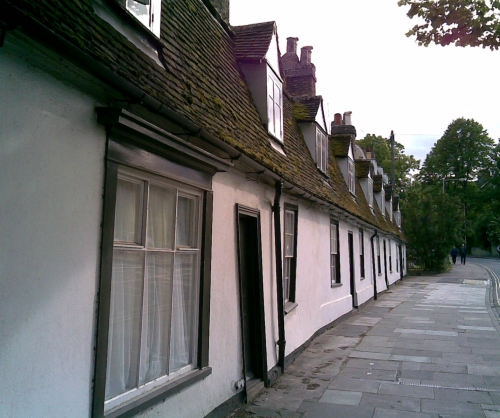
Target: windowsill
[158,395]
[362,278]
[290,306]
[276,144]
[336,285]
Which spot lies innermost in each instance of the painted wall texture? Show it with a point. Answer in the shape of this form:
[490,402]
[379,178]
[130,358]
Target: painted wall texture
[50,194]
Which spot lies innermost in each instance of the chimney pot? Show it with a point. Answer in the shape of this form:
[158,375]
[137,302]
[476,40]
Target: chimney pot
[337,119]
[305,55]
[347,118]
[291,45]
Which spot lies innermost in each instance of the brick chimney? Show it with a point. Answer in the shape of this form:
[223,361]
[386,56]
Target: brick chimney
[300,76]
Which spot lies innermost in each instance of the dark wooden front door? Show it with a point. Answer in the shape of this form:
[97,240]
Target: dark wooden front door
[251,294]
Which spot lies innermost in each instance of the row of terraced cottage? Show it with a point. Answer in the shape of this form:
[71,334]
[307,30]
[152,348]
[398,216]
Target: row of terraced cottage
[178,217]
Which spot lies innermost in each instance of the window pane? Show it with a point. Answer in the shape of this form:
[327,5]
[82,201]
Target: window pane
[289,233]
[184,310]
[270,106]
[286,279]
[161,217]
[186,222]
[156,320]
[128,213]
[140,11]
[125,322]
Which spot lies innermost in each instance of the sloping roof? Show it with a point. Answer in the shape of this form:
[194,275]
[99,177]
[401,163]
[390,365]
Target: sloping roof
[377,183]
[339,145]
[251,42]
[309,109]
[200,80]
[362,168]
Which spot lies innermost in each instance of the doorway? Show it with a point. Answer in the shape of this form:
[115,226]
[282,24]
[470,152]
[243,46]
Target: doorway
[350,241]
[251,294]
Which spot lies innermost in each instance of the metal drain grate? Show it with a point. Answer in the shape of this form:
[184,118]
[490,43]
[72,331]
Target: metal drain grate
[424,385]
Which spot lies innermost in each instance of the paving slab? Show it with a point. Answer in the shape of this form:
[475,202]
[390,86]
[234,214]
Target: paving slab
[427,348]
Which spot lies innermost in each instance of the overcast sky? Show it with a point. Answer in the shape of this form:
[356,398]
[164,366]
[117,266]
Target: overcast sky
[366,64]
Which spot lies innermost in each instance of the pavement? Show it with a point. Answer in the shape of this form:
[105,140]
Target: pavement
[427,347]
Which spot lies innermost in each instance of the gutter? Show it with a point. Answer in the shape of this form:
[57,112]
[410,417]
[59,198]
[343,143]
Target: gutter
[47,37]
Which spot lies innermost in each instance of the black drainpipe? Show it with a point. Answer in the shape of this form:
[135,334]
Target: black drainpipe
[279,276]
[373,266]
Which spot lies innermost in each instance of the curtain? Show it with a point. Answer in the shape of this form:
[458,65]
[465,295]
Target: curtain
[128,211]
[161,217]
[183,302]
[125,322]
[156,321]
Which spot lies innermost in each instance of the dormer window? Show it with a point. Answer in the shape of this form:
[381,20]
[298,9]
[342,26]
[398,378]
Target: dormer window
[370,192]
[351,183]
[274,106]
[148,12]
[321,150]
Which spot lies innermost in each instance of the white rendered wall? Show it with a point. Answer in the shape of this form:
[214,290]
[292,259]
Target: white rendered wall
[51,170]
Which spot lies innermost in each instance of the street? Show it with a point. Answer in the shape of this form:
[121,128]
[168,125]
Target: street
[428,347]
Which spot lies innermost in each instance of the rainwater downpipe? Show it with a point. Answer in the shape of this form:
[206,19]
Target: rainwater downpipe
[279,275]
[373,266]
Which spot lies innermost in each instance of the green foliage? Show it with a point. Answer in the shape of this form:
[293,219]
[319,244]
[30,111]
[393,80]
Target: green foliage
[458,22]
[465,151]
[433,224]
[403,164]
[464,163]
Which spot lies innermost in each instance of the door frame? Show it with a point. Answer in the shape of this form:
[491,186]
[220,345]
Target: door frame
[253,213]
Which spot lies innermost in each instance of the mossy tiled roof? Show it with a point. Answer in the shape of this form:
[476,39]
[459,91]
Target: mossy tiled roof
[339,145]
[310,108]
[377,183]
[251,42]
[200,80]
[362,168]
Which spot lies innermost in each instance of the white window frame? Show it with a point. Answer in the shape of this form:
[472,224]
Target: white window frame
[361,254]
[289,254]
[182,191]
[321,150]
[274,105]
[147,12]
[370,192]
[334,253]
[397,258]
[351,178]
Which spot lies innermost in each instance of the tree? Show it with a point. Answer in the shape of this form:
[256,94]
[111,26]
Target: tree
[403,164]
[428,226]
[465,151]
[458,22]
[463,164]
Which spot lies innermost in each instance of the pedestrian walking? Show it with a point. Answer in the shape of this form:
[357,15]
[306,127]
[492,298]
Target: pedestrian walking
[463,254]
[498,251]
[454,253]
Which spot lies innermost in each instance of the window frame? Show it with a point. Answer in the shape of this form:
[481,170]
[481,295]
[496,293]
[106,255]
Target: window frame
[274,105]
[335,276]
[351,175]
[321,150]
[289,291]
[142,147]
[361,254]
[154,9]
[370,192]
